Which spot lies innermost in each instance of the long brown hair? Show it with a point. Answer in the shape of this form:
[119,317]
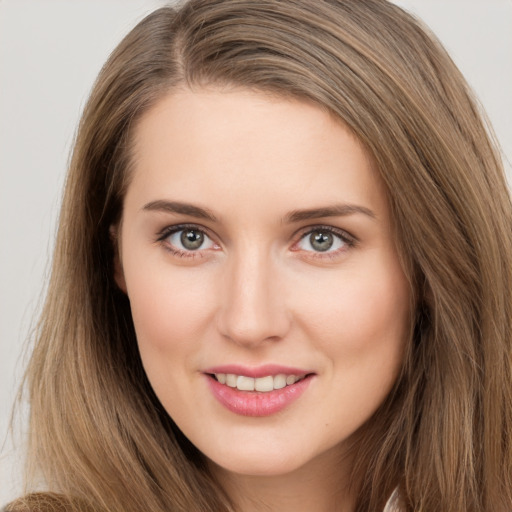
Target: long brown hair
[443,437]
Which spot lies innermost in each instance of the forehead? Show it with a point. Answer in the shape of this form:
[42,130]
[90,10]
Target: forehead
[218,146]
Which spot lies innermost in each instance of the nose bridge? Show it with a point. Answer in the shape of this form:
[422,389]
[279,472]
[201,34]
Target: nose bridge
[252,308]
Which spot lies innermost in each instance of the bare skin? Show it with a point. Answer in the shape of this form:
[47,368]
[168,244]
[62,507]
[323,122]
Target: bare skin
[256,232]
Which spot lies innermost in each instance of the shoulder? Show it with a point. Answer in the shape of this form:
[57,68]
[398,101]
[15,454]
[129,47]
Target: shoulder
[45,502]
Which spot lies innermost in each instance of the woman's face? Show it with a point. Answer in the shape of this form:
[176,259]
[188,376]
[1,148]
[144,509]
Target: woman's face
[256,249]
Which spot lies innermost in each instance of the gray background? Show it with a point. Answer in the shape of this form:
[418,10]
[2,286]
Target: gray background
[50,53]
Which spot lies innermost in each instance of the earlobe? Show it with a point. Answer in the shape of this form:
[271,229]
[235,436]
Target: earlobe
[118,265]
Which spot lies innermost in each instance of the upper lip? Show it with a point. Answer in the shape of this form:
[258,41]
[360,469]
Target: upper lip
[257,371]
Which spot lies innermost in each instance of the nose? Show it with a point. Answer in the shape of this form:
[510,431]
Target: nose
[252,308]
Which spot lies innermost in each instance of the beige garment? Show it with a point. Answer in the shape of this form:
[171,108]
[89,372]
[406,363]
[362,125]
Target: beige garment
[392,504]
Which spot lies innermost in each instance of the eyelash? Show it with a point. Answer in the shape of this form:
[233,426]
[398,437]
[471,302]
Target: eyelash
[348,240]
[171,230]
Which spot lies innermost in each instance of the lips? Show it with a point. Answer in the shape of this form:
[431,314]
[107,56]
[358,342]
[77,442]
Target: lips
[261,391]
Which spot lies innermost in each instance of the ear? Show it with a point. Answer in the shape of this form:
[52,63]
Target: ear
[118,264]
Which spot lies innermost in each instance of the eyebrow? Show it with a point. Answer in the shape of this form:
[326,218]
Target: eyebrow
[177,207]
[338,210]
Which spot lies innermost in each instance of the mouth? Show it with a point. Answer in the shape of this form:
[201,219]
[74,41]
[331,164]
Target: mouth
[263,384]
[267,391]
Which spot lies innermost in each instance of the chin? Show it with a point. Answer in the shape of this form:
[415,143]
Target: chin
[259,462]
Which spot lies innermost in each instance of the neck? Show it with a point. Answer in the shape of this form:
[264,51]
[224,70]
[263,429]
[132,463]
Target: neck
[322,485]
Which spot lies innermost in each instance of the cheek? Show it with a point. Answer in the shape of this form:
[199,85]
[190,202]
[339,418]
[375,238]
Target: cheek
[363,327]
[169,307]
[362,313]
[170,312]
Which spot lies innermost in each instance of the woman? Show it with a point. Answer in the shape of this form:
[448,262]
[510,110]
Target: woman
[282,277]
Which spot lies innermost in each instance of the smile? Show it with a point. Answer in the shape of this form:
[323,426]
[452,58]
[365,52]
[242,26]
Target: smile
[265,391]
[261,384]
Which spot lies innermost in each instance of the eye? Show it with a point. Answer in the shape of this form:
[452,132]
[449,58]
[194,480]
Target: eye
[324,240]
[186,239]
[189,239]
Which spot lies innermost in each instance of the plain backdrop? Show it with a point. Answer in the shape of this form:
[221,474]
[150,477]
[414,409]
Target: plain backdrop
[50,53]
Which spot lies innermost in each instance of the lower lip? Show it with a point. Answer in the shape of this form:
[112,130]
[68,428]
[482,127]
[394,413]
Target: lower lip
[255,403]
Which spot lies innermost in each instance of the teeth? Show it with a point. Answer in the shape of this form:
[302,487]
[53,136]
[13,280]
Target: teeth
[245,383]
[279,381]
[262,384]
[231,380]
[291,379]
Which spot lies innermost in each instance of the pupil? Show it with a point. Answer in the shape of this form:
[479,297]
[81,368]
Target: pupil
[191,239]
[321,241]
